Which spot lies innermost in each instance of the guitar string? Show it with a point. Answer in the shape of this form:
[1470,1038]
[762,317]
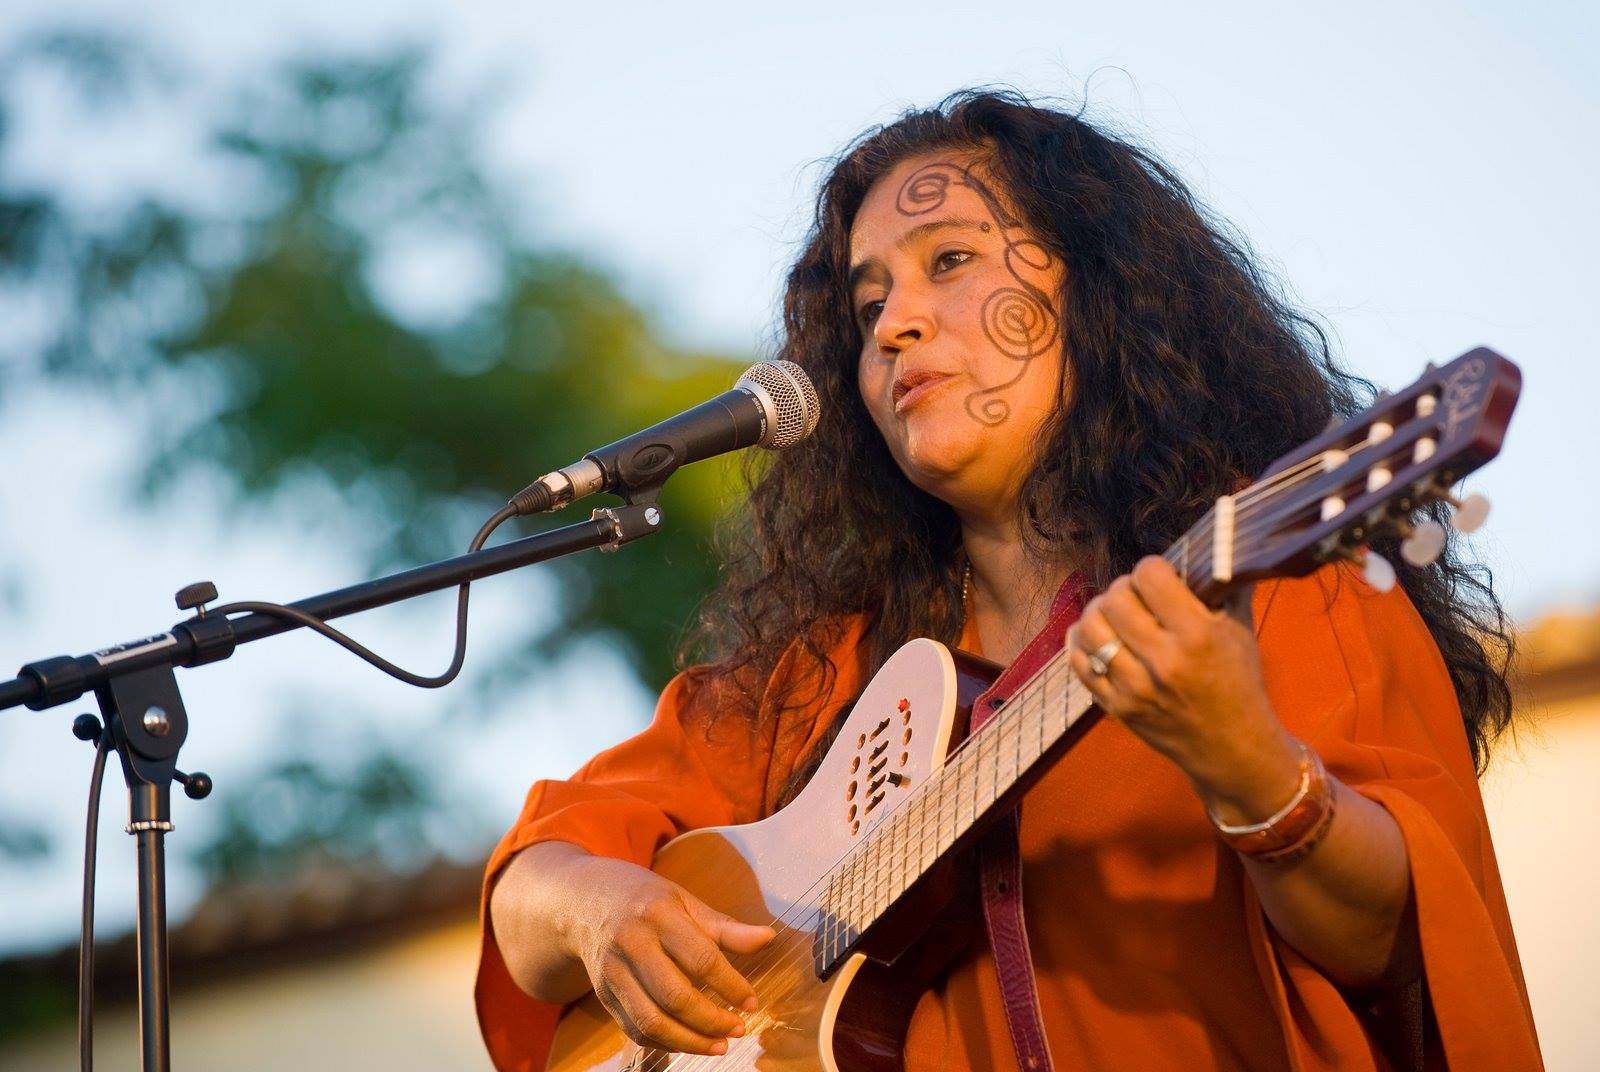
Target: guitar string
[910,813]
[1203,530]
[1015,727]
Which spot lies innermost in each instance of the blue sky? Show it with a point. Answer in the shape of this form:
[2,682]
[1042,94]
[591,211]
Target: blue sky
[1420,176]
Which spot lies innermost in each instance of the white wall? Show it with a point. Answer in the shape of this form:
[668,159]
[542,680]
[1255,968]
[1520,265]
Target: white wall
[404,1007]
[1542,793]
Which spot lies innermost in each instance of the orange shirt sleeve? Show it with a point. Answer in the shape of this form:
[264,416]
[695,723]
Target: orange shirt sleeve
[1356,674]
[711,756]
[684,771]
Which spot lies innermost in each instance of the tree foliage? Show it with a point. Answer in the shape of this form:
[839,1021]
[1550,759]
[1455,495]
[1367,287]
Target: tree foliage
[252,331]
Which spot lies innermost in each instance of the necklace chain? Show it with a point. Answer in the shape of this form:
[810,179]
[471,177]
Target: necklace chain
[966,591]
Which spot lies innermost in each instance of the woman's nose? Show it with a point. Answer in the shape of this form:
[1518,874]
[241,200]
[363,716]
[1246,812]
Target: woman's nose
[906,318]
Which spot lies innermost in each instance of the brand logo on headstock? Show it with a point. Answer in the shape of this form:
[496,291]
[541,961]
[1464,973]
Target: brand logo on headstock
[1463,394]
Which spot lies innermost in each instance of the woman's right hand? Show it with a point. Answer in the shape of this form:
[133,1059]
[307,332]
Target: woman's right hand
[655,955]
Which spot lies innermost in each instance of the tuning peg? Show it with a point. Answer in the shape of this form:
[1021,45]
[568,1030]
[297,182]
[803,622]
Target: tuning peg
[1469,513]
[1377,570]
[1424,544]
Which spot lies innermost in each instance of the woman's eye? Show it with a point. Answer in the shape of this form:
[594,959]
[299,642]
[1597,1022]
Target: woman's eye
[869,312]
[950,258]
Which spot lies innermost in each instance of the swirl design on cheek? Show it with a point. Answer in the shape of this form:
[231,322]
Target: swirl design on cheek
[1019,321]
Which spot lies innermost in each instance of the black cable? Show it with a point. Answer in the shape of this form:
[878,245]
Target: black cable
[318,625]
[91,838]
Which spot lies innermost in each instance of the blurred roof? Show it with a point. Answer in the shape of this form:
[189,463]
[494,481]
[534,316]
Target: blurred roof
[326,909]
[1558,658]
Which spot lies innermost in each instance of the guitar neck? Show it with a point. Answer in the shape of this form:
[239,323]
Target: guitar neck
[978,783]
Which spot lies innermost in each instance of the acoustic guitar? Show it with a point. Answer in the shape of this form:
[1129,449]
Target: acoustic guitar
[852,870]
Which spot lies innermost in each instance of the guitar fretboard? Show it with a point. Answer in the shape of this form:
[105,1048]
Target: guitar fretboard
[959,796]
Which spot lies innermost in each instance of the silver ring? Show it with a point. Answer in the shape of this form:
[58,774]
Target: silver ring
[1100,658]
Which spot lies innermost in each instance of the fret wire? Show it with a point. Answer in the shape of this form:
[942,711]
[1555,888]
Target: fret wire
[1005,764]
[1016,753]
[847,894]
[885,868]
[881,854]
[846,912]
[986,768]
[858,891]
[944,784]
[891,840]
[1018,730]
[922,828]
[828,916]
[840,904]
[972,786]
[902,882]
[877,904]
[977,773]
[968,783]
[891,862]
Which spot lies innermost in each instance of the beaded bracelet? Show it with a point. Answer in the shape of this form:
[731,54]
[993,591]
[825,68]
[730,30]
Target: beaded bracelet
[1294,829]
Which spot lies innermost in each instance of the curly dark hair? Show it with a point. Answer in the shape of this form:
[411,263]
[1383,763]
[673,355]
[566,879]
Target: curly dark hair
[1190,373]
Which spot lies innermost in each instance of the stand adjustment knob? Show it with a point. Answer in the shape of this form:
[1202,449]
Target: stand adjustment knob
[86,727]
[196,786]
[195,595]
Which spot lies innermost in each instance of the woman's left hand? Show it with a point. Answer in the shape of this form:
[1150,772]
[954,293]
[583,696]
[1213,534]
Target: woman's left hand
[1187,680]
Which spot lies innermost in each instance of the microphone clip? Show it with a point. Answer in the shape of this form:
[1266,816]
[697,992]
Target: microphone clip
[639,517]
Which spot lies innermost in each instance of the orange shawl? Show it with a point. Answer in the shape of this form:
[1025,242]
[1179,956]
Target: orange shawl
[1152,952]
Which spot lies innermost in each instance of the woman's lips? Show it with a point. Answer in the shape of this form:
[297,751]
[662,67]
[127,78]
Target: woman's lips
[919,392]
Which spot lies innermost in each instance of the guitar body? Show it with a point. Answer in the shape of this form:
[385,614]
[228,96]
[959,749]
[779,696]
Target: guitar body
[900,731]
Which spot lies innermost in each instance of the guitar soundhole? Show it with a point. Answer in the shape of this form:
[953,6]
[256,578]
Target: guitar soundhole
[882,769]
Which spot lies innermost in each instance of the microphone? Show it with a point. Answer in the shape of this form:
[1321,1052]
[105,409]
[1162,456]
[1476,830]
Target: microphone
[773,405]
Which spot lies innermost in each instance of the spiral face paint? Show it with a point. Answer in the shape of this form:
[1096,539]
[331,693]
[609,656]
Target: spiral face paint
[1019,320]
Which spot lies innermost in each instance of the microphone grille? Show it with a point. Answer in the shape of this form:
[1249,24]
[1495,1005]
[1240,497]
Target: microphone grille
[793,398]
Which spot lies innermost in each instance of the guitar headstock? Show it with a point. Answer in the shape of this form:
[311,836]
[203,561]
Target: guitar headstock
[1367,477]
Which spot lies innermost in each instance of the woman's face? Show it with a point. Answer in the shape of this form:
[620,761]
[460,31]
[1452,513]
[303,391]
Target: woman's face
[961,350]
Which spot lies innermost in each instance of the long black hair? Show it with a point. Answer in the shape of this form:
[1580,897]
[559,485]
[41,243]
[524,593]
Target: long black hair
[1190,373]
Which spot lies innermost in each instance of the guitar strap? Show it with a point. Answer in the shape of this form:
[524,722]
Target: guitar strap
[1000,860]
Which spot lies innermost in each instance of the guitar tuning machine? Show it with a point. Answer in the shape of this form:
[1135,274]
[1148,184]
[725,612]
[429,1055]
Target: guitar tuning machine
[1377,571]
[1469,514]
[1423,544]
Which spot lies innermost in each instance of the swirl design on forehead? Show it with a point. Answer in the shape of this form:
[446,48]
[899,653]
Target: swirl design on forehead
[926,190]
[1019,321]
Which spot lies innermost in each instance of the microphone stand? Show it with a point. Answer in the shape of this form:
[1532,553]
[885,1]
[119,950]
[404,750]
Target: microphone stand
[137,690]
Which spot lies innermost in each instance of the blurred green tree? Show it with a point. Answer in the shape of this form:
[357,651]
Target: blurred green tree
[260,334]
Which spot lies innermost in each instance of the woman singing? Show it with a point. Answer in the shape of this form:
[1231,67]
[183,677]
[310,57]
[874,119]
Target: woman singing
[1039,363]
